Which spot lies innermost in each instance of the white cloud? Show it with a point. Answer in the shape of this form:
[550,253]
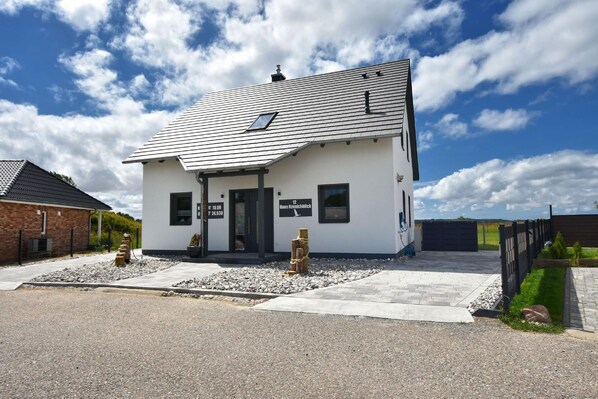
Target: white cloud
[101,83]
[89,149]
[541,42]
[450,126]
[297,35]
[81,15]
[425,141]
[7,65]
[510,119]
[14,6]
[565,179]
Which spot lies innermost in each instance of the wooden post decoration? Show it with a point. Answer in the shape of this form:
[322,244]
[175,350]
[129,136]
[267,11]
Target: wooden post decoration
[300,253]
[124,251]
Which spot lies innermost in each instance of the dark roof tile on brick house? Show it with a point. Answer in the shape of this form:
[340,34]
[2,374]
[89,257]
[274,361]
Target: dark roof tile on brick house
[23,181]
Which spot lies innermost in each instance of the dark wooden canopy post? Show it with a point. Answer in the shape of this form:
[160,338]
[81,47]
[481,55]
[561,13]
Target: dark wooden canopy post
[261,224]
[203,181]
[204,216]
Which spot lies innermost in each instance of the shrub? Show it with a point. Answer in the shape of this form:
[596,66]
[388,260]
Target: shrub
[576,254]
[558,249]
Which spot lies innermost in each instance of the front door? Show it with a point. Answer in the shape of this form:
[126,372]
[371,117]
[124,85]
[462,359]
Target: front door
[244,223]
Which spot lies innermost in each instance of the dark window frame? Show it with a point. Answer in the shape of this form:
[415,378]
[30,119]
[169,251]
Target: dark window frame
[409,204]
[251,128]
[174,210]
[404,209]
[322,209]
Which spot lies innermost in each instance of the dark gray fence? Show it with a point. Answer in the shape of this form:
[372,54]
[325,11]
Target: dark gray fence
[520,243]
[449,235]
[581,228]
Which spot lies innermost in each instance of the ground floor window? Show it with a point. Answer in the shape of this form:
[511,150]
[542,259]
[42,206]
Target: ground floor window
[180,209]
[333,203]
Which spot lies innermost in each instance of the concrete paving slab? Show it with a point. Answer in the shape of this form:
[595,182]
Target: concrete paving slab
[398,311]
[433,286]
[166,278]
[11,278]
[9,285]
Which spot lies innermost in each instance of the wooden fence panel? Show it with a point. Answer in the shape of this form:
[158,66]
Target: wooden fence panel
[582,228]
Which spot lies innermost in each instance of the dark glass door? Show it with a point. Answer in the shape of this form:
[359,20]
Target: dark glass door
[244,223]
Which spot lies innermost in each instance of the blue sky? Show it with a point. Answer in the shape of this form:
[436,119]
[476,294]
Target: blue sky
[505,91]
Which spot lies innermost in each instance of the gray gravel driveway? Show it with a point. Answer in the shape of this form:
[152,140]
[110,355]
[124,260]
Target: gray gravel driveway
[68,343]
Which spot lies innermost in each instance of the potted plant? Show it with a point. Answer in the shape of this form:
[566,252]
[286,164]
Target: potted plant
[194,248]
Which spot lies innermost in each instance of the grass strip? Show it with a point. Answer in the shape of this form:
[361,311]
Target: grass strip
[541,287]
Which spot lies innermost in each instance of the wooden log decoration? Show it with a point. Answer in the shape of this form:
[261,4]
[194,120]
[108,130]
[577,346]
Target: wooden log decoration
[300,253]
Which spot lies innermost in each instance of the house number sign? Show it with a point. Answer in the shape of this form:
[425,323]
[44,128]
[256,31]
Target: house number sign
[215,210]
[294,208]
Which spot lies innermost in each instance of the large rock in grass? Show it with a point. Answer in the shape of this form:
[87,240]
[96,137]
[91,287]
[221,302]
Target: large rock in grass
[537,314]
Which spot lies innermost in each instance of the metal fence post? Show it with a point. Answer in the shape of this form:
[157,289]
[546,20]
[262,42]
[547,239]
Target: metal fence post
[20,257]
[528,249]
[516,250]
[109,240]
[72,241]
[502,243]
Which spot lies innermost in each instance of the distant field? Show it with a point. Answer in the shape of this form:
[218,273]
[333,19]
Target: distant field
[491,230]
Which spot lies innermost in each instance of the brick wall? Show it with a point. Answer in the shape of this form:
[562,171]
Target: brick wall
[15,217]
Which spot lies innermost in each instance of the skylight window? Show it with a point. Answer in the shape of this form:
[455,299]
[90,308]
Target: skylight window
[263,121]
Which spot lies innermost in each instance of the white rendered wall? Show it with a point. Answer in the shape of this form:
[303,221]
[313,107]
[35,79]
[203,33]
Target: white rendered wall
[159,181]
[365,165]
[369,168]
[403,167]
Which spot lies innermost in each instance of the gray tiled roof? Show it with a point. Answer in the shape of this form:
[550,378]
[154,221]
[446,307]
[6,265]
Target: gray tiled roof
[23,181]
[212,134]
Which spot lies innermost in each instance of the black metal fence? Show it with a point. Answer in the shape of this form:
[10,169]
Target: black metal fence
[520,243]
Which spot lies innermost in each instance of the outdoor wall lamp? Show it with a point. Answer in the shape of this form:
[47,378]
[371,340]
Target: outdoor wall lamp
[399,178]
[221,195]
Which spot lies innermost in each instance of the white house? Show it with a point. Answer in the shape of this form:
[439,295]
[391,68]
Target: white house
[335,153]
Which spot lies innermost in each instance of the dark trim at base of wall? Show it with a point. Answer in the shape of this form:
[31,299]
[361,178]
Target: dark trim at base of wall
[163,252]
[335,255]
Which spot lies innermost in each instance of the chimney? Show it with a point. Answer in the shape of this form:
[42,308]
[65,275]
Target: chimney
[278,76]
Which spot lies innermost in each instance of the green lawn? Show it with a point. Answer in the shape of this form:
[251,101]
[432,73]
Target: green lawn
[586,252]
[491,230]
[541,287]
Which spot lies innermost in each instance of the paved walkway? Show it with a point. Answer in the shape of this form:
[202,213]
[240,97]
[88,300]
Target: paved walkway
[11,278]
[581,298]
[432,286]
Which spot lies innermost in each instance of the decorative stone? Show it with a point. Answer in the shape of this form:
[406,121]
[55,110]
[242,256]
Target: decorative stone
[537,314]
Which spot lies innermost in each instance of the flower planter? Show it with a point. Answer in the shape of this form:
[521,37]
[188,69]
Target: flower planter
[194,252]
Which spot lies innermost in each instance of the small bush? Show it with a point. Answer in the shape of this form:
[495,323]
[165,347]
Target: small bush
[558,249]
[577,250]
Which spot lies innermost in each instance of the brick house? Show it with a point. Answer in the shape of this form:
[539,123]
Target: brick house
[43,210]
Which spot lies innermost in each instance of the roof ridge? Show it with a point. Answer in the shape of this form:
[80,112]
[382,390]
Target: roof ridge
[291,80]
[15,176]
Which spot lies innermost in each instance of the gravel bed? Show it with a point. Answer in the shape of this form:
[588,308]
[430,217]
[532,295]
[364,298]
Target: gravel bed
[488,298]
[270,277]
[108,272]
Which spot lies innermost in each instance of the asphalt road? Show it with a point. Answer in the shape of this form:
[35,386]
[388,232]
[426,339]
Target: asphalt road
[67,343]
